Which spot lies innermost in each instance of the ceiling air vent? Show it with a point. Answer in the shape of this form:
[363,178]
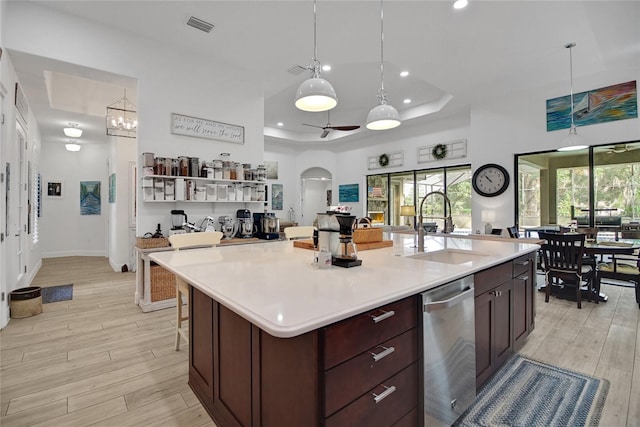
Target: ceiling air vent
[296,70]
[200,24]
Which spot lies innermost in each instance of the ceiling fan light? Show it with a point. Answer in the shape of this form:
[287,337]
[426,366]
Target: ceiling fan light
[316,94]
[72,147]
[383,117]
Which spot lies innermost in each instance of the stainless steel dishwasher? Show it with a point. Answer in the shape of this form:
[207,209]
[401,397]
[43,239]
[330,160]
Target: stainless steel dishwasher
[449,351]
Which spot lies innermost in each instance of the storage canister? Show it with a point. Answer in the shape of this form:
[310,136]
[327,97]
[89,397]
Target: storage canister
[194,166]
[212,191]
[248,173]
[232,171]
[175,167]
[246,192]
[217,169]
[222,191]
[231,192]
[239,192]
[239,171]
[226,169]
[262,173]
[184,165]
[158,167]
[260,193]
[147,159]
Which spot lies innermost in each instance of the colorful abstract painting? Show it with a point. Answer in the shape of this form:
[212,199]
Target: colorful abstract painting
[90,203]
[348,193]
[617,102]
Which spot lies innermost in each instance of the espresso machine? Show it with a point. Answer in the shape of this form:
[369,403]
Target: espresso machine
[245,223]
[348,253]
[267,226]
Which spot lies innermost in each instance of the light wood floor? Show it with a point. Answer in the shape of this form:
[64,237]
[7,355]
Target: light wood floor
[98,360]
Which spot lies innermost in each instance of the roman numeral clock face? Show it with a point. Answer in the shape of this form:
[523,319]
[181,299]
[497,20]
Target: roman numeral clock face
[490,180]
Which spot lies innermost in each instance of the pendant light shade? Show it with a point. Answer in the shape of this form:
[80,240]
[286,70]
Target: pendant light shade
[573,141]
[315,94]
[383,116]
[122,118]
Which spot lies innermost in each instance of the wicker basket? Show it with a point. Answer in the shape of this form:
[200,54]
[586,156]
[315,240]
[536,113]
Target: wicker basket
[163,284]
[367,235]
[148,243]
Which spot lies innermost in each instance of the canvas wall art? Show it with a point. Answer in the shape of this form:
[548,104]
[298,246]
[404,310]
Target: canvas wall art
[617,102]
[272,169]
[54,188]
[112,188]
[90,203]
[348,193]
[276,197]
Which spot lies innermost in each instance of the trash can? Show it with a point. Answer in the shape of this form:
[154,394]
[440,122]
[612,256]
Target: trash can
[25,302]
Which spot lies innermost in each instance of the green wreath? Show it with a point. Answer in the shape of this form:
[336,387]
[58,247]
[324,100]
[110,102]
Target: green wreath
[383,160]
[439,151]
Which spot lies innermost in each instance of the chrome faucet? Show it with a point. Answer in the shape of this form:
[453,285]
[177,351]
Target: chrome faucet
[448,221]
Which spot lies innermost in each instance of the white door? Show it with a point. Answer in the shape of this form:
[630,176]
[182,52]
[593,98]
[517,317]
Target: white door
[19,219]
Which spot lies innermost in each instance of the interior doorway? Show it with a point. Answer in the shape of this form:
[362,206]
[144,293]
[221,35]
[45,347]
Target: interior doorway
[316,195]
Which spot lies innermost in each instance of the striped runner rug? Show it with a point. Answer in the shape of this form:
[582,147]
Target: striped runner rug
[529,393]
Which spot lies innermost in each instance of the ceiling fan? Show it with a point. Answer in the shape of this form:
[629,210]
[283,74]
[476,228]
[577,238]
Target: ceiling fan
[328,127]
[621,148]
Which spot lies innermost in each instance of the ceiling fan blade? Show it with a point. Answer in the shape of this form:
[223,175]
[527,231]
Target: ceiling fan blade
[315,126]
[353,127]
[324,133]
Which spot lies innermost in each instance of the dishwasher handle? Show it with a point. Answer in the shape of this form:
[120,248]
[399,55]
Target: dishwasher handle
[440,305]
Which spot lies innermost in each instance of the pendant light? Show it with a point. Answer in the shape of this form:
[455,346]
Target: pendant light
[315,94]
[573,141]
[383,116]
[122,118]
[73,131]
[72,146]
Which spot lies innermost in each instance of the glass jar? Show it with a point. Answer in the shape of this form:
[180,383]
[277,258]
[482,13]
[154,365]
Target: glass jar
[184,165]
[239,171]
[194,167]
[260,193]
[175,167]
[159,165]
[232,171]
[262,173]
[246,192]
[246,167]
[231,192]
[226,170]
[217,169]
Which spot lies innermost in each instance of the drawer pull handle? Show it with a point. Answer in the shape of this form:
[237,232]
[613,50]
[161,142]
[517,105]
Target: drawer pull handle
[522,262]
[380,397]
[384,315]
[384,353]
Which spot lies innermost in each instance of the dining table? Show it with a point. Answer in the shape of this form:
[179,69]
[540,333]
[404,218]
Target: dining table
[609,248]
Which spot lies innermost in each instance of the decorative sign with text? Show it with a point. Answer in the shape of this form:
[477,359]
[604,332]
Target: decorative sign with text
[209,129]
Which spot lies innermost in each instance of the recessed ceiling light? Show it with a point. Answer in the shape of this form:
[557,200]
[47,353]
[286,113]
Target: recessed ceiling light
[326,67]
[404,73]
[280,124]
[407,101]
[460,4]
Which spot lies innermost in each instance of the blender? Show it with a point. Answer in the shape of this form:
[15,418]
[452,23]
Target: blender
[178,220]
[348,253]
[245,223]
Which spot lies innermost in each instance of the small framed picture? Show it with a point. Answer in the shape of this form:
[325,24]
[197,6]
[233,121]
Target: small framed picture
[54,189]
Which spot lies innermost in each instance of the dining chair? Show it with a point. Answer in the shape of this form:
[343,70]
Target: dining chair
[562,260]
[589,233]
[188,241]
[620,267]
[514,233]
[298,232]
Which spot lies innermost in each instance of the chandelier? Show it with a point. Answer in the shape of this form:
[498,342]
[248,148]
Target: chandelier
[122,118]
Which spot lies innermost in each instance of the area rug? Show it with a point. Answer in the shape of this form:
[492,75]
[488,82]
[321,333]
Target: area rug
[57,293]
[529,393]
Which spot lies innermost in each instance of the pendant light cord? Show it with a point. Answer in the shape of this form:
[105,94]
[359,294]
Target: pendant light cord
[382,94]
[570,46]
[315,64]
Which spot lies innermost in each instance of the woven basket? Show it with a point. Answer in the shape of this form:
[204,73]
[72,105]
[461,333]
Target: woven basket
[365,233]
[163,283]
[148,243]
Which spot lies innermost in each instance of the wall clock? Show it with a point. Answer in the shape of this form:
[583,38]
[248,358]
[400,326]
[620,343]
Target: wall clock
[490,180]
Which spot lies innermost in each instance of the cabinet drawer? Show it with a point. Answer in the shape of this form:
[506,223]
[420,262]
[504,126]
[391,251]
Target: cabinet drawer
[396,397]
[488,279]
[522,264]
[350,379]
[351,337]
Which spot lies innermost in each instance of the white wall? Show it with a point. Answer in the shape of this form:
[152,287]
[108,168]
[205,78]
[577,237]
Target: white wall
[121,152]
[169,80]
[64,232]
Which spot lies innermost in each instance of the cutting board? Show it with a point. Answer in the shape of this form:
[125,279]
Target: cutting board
[308,244]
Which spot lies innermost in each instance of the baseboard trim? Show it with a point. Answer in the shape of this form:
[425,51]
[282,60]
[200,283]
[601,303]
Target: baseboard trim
[73,253]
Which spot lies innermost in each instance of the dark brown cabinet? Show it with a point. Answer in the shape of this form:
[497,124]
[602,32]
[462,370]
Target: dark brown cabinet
[361,371]
[505,311]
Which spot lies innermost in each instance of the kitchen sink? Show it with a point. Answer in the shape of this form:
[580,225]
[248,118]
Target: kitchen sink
[449,256]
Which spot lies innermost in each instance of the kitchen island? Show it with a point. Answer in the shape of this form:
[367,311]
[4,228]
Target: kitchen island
[278,341]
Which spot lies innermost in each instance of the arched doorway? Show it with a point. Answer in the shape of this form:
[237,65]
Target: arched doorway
[315,195]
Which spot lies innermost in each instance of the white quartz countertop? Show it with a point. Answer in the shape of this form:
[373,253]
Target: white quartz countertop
[277,287]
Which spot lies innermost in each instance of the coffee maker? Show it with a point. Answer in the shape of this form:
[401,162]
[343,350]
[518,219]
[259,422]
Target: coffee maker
[348,254]
[245,223]
[267,226]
